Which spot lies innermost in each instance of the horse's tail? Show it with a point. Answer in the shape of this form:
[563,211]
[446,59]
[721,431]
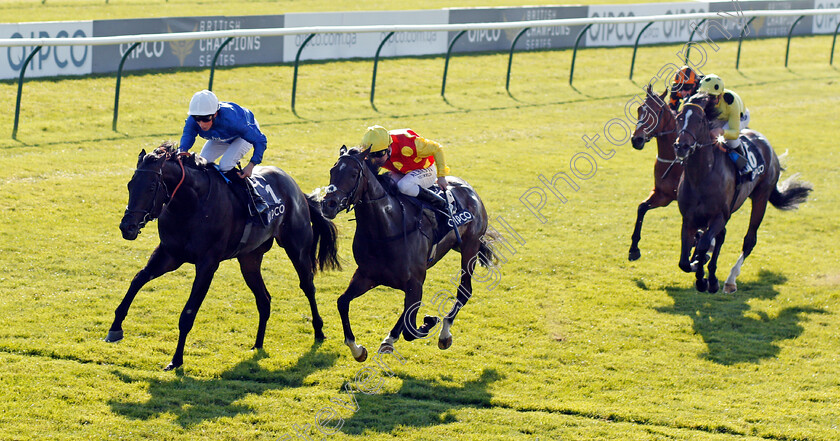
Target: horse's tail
[327,234]
[790,193]
[487,256]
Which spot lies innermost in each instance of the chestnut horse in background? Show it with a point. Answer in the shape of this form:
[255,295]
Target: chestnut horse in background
[656,120]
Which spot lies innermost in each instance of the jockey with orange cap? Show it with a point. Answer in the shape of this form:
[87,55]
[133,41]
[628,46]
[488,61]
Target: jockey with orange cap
[685,84]
[414,162]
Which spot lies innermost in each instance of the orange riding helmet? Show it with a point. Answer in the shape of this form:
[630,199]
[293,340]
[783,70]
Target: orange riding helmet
[685,79]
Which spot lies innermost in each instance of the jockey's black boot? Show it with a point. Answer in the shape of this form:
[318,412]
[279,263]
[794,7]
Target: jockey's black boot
[434,200]
[738,155]
[246,192]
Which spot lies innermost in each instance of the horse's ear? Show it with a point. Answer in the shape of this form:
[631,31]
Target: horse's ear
[342,150]
[365,153]
[649,89]
[140,158]
[664,93]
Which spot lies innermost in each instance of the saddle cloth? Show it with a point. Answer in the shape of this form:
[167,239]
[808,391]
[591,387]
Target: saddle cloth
[754,157]
[276,207]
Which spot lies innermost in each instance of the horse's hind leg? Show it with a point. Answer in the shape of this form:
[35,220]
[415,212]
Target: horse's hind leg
[300,255]
[759,206]
[160,262]
[469,256]
[250,265]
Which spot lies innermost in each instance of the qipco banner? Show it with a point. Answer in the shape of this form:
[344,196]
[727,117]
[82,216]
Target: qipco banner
[50,60]
[536,37]
[187,53]
[332,46]
[625,34]
[825,24]
[731,26]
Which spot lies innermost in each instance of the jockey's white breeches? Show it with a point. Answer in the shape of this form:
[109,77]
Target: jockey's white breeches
[410,183]
[230,152]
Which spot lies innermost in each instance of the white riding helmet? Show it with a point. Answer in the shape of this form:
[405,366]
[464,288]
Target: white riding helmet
[204,103]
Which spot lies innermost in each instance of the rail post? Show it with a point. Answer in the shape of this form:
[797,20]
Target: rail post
[574,53]
[20,89]
[119,77]
[294,78]
[446,65]
[790,34]
[510,58]
[740,40]
[215,57]
[375,64]
[635,47]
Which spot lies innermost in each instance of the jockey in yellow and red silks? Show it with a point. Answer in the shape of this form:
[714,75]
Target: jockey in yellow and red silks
[414,162]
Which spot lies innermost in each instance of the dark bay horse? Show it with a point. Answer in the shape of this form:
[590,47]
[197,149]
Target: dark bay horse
[393,246]
[203,222]
[708,194]
[656,120]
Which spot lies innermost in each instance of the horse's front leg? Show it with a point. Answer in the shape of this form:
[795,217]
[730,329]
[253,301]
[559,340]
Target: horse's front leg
[204,272]
[686,243]
[714,284]
[359,285]
[412,303]
[160,262]
[655,200]
[702,248]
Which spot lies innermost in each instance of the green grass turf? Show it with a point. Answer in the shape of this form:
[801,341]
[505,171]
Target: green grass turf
[574,343]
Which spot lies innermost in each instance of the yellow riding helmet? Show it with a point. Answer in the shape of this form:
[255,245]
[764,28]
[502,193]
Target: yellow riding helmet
[711,84]
[377,138]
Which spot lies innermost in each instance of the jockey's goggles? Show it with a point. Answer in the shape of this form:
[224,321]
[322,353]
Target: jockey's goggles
[203,118]
[379,154]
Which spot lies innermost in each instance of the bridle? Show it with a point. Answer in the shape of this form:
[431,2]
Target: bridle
[659,114]
[695,145]
[147,214]
[349,201]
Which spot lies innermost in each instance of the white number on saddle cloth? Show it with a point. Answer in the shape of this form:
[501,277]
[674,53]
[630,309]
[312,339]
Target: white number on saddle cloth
[276,207]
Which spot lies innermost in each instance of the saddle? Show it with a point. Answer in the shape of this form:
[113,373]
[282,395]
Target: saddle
[443,221]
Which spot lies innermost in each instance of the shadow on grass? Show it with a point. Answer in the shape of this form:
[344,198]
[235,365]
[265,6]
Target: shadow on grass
[196,400]
[418,403]
[730,335]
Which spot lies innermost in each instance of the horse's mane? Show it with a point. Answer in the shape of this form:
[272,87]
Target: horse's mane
[384,178]
[170,151]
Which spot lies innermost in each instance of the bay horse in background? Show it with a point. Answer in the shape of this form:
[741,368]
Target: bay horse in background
[203,222]
[393,246]
[656,119]
[709,192]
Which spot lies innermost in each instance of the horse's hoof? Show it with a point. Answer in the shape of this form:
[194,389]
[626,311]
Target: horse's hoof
[114,336]
[694,266]
[363,356]
[685,267]
[172,366]
[714,286]
[386,348]
[729,288]
[634,255]
[702,285]
[445,343]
